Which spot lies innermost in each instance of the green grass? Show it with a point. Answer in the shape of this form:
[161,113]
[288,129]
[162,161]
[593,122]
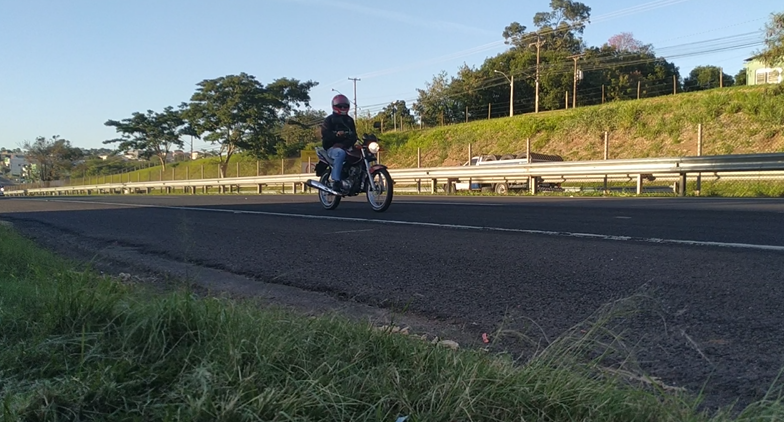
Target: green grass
[78,346]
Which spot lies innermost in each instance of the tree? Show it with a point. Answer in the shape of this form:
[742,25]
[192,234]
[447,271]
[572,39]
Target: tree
[394,116]
[616,75]
[240,114]
[300,131]
[556,38]
[152,134]
[558,28]
[187,128]
[740,77]
[626,43]
[773,52]
[54,157]
[706,77]
[435,104]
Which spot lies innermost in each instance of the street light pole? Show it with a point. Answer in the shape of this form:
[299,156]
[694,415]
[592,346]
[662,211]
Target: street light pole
[538,45]
[574,88]
[511,92]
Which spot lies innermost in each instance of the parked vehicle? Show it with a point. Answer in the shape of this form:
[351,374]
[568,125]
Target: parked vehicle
[361,175]
[502,188]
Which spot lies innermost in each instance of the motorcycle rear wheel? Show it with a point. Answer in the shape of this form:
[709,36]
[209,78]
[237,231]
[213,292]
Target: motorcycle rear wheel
[380,199]
[328,200]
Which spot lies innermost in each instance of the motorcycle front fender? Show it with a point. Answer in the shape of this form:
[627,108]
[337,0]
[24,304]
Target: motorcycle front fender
[375,167]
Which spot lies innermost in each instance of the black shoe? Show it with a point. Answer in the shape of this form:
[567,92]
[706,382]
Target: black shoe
[337,186]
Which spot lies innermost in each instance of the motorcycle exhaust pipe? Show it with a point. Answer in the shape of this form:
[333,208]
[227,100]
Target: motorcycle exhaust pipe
[320,186]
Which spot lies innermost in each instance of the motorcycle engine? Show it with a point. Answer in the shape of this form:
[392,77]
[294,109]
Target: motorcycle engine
[354,176]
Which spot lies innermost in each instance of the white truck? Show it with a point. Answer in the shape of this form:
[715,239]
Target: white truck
[502,187]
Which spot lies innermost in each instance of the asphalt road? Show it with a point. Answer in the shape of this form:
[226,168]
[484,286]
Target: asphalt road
[704,275]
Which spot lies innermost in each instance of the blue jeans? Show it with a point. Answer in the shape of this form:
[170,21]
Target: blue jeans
[338,155]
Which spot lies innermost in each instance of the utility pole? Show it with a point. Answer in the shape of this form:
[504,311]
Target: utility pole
[538,44]
[574,88]
[355,95]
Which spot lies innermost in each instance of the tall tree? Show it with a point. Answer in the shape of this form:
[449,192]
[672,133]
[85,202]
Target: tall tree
[435,104]
[773,52]
[626,43]
[557,36]
[240,114]
[707,77]
[562,24]
[54,157]
[151,135]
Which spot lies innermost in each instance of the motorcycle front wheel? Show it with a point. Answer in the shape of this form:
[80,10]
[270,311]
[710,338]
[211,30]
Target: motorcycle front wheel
[328,200]
[381,198]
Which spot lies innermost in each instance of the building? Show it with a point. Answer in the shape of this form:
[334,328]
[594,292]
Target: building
[759,73]
[17,165]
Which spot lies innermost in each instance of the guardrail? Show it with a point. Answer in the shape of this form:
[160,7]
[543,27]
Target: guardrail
[639,169]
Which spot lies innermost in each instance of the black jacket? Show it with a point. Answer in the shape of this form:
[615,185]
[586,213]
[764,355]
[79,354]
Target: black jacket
[334,123]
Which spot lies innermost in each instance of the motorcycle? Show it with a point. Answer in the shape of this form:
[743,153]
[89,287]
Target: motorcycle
[358,176]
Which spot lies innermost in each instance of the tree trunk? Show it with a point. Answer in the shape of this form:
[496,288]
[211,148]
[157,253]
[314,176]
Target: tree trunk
[163,162]
[222,167]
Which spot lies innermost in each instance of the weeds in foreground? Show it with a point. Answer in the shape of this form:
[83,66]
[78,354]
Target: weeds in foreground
[78,346]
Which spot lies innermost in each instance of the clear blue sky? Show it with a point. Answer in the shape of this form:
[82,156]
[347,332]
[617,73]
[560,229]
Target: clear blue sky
[68,66]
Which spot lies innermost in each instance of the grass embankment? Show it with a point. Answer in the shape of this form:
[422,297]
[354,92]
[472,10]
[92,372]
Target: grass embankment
[78,346]
[737,120]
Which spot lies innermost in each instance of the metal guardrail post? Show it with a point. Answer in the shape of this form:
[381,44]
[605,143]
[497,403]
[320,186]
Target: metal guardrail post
[639,184]
[682,185]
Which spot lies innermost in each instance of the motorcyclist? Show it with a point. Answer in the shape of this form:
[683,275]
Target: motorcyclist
[338,132]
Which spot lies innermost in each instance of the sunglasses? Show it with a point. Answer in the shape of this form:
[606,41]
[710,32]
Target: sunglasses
[346,106]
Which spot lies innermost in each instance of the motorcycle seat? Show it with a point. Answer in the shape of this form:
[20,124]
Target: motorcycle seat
[322,154]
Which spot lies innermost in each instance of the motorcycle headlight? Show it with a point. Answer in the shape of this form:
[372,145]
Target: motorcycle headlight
[373,147]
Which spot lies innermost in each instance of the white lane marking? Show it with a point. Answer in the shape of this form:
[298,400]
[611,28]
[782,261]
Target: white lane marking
[454,226]
[351,231]
[474,204]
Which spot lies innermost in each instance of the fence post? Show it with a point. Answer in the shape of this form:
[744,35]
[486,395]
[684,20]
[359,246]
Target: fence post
[606,155]
[419,164]
[699,153]
[531,179]
[238,169]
